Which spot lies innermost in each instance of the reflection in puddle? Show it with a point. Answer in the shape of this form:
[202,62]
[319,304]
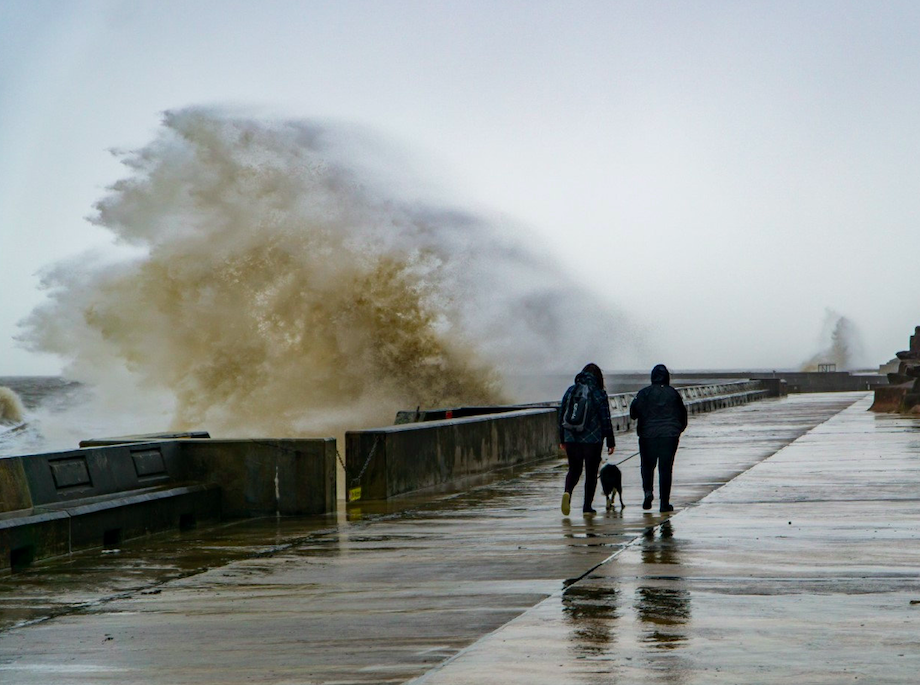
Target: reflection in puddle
[592,611]
[664,611]
[662,604]
[587,529]
[609,638]
[588,532]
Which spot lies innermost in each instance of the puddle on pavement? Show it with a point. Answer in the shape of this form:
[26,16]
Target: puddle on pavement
[86,579]
[661,601]
[83,580]
[592,611]
[657,614]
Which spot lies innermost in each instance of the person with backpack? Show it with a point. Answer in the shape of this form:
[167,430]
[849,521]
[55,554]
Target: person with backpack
[662,417]
[584,424]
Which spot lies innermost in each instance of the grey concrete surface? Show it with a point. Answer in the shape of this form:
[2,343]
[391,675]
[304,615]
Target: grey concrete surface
[804,569]
[494,585]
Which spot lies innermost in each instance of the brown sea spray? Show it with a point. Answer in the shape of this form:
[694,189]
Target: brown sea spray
[277,286]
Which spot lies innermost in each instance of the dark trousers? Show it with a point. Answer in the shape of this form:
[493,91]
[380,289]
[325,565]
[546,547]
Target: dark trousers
[587,454]
[660,452]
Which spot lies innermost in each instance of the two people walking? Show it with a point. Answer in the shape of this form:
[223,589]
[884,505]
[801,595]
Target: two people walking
[661,417]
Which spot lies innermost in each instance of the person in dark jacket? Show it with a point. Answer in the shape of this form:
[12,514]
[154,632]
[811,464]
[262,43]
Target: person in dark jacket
[583,447]
[661,417]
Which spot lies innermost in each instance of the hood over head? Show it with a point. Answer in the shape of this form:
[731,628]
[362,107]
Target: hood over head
[587,378]
[661,375]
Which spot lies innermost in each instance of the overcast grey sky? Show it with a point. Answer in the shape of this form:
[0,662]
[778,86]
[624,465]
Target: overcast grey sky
[723,172]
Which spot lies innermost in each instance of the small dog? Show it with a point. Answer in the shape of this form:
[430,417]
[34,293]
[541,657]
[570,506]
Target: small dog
[611,479]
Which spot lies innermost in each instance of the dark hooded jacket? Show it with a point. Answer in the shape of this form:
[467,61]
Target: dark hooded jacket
[597,424]
[658,408]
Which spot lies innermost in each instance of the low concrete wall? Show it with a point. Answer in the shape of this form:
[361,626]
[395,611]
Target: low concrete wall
[265,477]
[833,381]
[57,503]
[796,381]
[257,477]
[890,398]
[385,462]
[56,478]
[14,488]
[775,387]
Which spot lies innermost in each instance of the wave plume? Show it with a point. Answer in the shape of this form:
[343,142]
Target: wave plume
[276,285]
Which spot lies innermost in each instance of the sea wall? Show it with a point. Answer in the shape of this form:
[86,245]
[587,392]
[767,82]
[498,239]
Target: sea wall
[56,503]
[384,462]
[831,381]
[265,476]
[543,387]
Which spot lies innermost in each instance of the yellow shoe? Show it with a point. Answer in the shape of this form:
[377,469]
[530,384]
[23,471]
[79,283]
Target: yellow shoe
[565,503]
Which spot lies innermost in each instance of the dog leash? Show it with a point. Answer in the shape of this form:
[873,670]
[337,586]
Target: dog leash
[626,459]
[618,463]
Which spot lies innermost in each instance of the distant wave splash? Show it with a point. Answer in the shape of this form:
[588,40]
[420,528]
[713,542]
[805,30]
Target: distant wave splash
[11,409]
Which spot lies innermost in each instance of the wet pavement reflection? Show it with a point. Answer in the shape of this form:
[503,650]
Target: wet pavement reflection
[592,610]
[615,622]
[662,602]
[801,569]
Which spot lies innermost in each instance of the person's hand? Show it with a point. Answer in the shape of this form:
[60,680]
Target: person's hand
[610,450]
[562,446]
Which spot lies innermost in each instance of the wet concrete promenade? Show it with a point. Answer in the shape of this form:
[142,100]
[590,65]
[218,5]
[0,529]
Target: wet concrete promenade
[793,556]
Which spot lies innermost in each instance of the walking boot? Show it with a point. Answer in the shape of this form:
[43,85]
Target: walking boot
[647,502]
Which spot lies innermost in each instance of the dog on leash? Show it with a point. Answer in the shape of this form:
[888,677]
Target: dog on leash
[611,480]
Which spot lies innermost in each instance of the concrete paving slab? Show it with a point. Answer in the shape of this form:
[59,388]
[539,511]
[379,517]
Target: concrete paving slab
[388,595]
[804,569]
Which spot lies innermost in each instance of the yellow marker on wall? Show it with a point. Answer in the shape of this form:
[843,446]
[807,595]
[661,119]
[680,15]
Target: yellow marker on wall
[354,494]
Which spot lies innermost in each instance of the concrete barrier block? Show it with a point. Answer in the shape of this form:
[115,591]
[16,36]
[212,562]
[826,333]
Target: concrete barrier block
[265,477]
[394,460]
[109,522]
[77,474]
[14,487]
[54,503]
[27,536]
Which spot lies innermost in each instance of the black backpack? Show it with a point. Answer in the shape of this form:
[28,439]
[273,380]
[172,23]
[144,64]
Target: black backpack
[575,412]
